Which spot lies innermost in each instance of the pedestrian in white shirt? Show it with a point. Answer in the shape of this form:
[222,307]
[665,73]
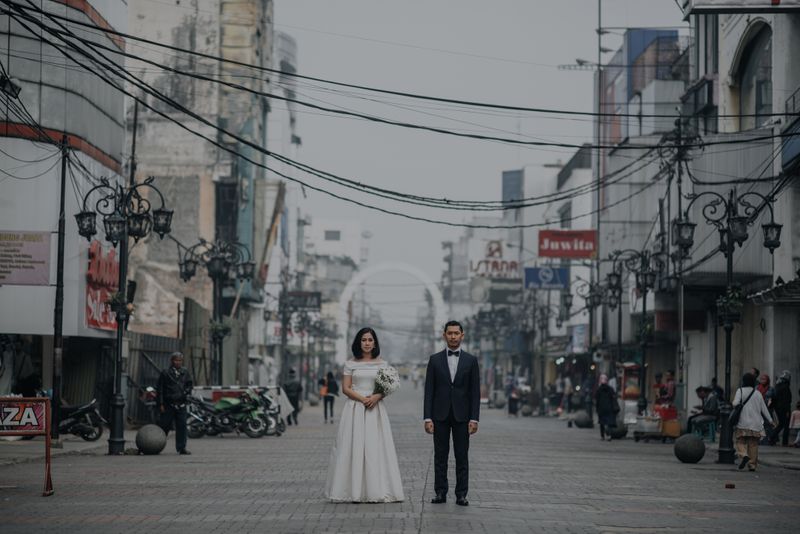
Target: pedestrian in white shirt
[750,428]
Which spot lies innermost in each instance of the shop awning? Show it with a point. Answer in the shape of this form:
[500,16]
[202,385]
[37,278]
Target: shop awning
[786,293]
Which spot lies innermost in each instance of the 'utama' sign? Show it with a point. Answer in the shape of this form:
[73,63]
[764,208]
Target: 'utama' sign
[568,244]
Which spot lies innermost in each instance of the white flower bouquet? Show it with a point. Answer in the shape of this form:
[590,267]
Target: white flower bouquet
[387,381]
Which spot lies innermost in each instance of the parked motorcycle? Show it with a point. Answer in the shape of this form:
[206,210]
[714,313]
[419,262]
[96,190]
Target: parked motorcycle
[228,414]
[276,425]
[82,420]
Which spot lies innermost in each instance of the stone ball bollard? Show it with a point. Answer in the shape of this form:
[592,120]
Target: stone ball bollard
[151,439]
[526,411]
[689,449]
[582,420]
[313,400]
[619,431]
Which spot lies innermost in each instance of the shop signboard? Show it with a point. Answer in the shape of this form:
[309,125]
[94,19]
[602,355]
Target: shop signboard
[570,244]
[102,275]
[546,277]
[24,258]
[29,416]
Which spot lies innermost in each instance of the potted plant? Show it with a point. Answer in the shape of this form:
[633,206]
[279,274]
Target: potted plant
[219,330]
[118,304]
[729,305]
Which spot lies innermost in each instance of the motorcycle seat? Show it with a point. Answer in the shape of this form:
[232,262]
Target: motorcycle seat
[68,409]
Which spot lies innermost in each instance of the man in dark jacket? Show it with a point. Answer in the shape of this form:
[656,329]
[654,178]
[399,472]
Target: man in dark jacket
[782,404]
[174,386]
[451,408]
[293,390]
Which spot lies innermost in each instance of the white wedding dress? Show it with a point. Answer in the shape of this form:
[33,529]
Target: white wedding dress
[363,465]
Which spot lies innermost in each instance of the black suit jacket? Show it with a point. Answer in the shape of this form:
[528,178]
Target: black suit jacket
[463,394]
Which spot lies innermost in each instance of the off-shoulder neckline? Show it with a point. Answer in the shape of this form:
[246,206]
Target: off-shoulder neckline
[368,361]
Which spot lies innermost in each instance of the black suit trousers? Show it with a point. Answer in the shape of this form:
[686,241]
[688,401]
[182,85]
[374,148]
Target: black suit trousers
[442,430]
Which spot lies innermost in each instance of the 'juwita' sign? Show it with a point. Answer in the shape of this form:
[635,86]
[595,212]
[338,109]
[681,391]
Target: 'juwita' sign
[581,244]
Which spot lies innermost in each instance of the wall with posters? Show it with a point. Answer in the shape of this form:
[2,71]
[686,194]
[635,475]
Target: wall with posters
[29,207]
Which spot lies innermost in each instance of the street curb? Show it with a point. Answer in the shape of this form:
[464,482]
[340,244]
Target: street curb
[18,461]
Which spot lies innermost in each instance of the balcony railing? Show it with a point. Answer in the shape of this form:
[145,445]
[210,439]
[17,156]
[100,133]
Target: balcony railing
[793,106]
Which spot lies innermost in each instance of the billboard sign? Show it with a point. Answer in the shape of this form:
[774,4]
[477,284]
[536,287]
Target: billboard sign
[24,258]
[546,277]
[102,275]
[305,300]
[575,244]
[490,262]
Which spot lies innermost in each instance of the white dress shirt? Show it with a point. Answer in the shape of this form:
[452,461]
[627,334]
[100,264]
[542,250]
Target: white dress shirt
[452,362]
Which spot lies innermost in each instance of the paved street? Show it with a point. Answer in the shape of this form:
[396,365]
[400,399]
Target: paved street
[527,475]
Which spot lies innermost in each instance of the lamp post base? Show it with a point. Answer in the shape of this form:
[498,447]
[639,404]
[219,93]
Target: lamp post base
[116,443]
[726,454]
[641,404]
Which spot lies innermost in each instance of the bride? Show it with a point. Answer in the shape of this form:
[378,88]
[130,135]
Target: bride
[363,466]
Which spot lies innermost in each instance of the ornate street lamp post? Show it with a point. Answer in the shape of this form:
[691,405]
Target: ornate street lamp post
[224,261]
[724,214]
[126,213]
[641,264]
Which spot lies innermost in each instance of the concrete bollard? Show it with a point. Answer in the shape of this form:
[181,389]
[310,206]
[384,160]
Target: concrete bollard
[689,449]
[151,439]
[582,420]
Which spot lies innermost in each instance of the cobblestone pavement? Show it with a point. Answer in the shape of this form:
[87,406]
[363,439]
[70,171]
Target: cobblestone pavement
[526,475]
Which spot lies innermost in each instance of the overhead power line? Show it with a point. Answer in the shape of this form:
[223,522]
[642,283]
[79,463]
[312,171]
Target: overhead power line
[328,176]
[291,178]
[507,107]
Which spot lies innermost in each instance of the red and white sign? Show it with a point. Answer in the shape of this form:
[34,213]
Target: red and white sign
[29,416]
[568,244]
[101,283]
[488,262]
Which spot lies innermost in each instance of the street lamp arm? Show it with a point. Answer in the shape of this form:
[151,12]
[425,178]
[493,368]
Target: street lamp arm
[712,212]
[751,210]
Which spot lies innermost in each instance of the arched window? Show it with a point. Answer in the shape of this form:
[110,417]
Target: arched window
[755,81]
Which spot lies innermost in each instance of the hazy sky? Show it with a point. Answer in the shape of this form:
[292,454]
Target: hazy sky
[503,51]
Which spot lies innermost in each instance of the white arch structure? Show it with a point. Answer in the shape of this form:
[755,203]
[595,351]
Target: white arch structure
[342,344]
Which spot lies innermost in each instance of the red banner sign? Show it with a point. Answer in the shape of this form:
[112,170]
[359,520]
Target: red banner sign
[101,284]
[580,244]
[28,416]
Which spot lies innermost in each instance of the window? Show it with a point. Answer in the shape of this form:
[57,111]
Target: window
[755,81]
[333,235]
[226,210]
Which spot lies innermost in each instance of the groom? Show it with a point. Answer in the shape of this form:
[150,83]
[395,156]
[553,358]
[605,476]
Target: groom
[452,403]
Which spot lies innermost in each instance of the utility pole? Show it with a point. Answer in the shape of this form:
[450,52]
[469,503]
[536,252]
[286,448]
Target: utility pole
[283,311]
[58,312]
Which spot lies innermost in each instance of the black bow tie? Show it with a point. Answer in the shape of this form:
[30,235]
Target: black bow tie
[455,353]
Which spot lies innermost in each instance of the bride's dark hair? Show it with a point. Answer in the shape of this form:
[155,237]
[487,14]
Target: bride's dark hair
[357,353]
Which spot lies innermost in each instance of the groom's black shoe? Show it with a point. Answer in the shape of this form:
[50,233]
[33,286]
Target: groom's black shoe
[462,501]
[439,498]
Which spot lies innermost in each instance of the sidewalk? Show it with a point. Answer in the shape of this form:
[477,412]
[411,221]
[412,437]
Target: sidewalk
[776,456]
[22,451]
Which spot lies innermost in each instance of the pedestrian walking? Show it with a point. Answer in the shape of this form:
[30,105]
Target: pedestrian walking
[173,388]
[451,408]
[782,406]
[750,427]
[328,391]
[293,390]
[607,407]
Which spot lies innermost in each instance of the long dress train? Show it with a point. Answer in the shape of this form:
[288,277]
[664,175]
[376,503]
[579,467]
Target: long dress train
[363,465]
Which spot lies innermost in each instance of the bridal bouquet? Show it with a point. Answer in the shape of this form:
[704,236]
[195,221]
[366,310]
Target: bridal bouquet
[387,381]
